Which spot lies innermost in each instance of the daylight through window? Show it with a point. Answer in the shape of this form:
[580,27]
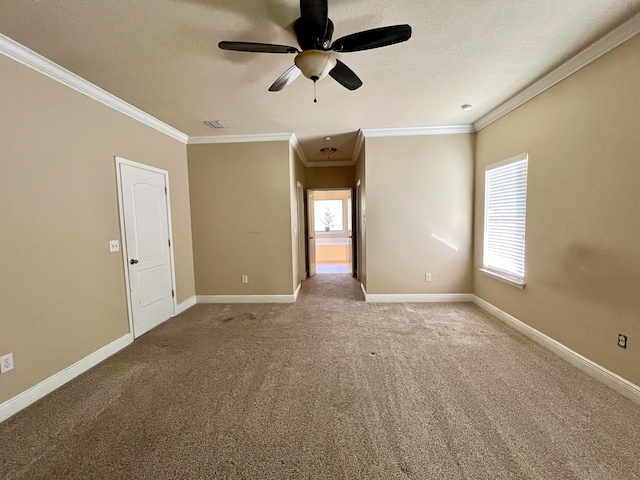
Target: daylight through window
[328,215]
[505,219]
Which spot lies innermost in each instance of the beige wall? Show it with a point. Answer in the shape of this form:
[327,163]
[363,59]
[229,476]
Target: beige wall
[242,218]
[583,203]
[62,292]
[417,187]
[333,253]
[329,177]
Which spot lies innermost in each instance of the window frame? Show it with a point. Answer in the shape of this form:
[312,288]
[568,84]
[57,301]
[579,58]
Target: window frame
[510,276]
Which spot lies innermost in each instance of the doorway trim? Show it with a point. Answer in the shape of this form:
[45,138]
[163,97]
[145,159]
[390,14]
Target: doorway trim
[302,234]
[123,244]
[350,229]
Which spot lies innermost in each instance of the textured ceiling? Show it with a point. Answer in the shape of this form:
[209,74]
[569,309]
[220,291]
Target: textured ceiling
[162,57]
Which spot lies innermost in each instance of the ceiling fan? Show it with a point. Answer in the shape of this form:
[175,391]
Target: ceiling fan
[314,30]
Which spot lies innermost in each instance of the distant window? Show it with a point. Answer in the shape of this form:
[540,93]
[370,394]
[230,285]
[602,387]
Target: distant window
[505,212]
[328,215]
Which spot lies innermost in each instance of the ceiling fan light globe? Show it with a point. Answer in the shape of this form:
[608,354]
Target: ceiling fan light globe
[315,64]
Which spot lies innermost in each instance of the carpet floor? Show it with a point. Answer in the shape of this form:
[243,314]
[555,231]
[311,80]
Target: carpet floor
[328,388]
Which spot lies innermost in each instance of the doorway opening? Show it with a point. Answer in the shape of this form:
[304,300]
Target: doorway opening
[331,225]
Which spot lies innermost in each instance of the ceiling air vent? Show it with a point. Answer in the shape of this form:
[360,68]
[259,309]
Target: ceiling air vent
[215,124]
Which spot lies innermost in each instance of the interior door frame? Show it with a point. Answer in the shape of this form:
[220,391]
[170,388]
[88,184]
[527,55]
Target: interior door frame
[311,234]
[310,223]
[123,243]
[302,233]
[355,234]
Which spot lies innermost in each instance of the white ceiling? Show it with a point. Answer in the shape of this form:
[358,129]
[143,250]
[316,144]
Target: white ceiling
[162,57]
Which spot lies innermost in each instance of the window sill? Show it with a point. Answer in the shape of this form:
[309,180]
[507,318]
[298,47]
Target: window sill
[503,278]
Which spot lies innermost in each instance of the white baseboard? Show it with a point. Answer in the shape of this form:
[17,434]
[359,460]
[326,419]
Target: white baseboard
[245,299]
[185,305]
[612,380]
[297,293]
[35,393]
[417,297]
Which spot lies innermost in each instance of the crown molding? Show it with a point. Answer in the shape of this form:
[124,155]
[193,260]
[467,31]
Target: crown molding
[21,54]
[415,131]
[336,163]
[295,144]
[607,43]
[258,137]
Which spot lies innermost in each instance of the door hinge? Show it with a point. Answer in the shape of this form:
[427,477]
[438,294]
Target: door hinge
[169,242]
[173,294]
[165,190]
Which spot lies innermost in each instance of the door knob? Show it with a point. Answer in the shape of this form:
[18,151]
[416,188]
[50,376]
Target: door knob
[133,261]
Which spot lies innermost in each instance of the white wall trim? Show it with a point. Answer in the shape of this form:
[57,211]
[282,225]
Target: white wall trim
[245,299]
[417,297]
[582,59]
[358,147]
[337,163]
[415,131]
[186,304]
[35,393]
[322,240]
[21,54]
[295,144]
[258,137]
[297,293]
[612,380]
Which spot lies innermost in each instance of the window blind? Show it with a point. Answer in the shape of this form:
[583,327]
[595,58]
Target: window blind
[505,217]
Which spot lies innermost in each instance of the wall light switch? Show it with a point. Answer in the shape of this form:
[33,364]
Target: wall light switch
[114,245]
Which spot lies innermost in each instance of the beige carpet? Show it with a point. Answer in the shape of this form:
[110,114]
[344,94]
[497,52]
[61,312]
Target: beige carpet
[328,388]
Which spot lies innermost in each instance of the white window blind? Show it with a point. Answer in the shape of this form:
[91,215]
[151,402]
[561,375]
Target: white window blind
[505,218]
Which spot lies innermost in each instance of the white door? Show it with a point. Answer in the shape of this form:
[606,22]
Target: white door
[147,245]
[312,234]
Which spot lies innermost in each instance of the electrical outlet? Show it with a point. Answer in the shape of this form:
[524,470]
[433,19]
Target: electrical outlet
[6,363]
[622,340]
[427,277]
[245,278]
[114,246]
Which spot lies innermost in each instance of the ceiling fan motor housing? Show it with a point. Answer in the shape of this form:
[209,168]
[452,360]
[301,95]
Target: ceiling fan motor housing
[310,37]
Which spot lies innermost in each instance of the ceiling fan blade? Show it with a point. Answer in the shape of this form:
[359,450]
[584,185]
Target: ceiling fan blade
[257,47]
[314,29]
[285,79]
[315,13]
[345,76]
[375,38]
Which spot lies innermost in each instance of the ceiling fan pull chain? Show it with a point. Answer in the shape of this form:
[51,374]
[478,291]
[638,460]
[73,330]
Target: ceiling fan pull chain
[315,99]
